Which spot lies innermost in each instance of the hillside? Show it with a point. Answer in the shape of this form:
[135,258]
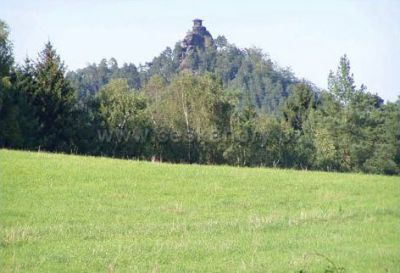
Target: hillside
[248,71]
[62,213]
[205,101]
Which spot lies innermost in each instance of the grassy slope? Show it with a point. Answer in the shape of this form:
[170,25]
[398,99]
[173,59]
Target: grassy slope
[80,214]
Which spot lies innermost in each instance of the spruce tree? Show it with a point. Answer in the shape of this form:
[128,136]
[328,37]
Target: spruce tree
[54,99]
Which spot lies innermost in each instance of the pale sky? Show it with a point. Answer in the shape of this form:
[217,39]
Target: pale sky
[309,36]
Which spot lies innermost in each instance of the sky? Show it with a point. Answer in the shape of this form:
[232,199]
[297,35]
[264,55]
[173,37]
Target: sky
[308,36]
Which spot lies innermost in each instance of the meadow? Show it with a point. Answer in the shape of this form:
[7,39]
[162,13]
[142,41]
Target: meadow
[65,213]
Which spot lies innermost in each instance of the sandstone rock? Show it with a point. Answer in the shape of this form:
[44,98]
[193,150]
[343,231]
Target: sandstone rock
[198,39]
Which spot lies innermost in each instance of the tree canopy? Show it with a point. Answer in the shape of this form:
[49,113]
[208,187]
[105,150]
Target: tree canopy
[203,101]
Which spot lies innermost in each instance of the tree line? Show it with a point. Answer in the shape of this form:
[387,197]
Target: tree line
[231,106]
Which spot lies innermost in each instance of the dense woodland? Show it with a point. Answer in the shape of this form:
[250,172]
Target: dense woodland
[206,102]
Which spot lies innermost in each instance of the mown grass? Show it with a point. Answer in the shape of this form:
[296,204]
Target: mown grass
[64,213]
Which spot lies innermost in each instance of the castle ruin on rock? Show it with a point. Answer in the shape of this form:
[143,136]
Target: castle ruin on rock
[198,39]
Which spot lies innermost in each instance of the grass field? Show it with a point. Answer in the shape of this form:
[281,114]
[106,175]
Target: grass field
[63,213]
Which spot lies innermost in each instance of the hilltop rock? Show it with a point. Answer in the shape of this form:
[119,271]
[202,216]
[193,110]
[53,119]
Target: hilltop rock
[196,40]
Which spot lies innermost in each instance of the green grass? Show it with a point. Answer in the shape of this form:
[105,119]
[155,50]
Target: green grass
[63,213]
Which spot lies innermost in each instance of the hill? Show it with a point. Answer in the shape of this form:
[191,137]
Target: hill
[248,71]
[62,213]
[206,101]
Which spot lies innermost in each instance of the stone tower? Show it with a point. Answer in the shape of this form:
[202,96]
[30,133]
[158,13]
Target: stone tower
[198,39]
[197,24]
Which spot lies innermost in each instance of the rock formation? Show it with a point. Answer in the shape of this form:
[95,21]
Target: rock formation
[196,40]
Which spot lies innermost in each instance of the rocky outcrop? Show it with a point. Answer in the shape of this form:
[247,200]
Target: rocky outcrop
[198,39]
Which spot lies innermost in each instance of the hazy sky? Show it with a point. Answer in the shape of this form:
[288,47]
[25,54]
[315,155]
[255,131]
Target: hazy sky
[309,36]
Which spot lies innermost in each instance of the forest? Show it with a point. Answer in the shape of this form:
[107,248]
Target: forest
[204,101]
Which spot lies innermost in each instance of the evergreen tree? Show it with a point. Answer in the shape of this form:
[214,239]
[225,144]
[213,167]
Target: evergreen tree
[18,124]
[298,105]
[54,99]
